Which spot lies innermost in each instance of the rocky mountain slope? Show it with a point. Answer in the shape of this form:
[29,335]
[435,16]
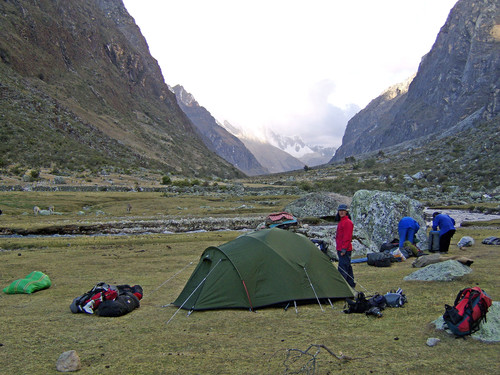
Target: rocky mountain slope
[79,91]
[217,138]
[275,159]
[456,87]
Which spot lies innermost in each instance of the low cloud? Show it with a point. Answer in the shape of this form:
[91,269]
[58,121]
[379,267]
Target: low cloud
[322,123]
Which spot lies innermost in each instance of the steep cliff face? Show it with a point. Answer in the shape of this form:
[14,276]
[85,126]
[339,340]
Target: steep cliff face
[456,86]
[364,132]
[88,66]
[216,138]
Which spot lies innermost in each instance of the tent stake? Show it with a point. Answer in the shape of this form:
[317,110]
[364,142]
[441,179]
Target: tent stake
[312,287]
[296,311]
[195,289]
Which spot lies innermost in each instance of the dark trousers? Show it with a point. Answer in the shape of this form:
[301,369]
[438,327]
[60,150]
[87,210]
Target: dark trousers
[444,241]
[345,267]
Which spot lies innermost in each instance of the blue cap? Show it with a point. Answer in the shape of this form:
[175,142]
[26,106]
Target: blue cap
[342,207]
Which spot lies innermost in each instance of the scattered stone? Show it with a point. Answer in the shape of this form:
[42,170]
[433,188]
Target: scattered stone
[68,361]
[444,271]
[418,176]
[432,341]
[489,330]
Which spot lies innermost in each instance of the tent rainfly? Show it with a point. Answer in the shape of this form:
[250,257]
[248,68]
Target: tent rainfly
[263,268]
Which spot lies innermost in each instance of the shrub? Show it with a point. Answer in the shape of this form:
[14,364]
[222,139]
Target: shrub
[17,170]
[369,163]
[166,180]
[182,183]
[305,185]
[350,159]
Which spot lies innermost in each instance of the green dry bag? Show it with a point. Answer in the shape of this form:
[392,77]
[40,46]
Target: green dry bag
[35,281]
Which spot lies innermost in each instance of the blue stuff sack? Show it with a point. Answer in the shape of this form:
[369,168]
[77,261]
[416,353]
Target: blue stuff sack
[395,298]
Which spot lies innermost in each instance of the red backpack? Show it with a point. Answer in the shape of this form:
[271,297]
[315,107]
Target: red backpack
[468,311]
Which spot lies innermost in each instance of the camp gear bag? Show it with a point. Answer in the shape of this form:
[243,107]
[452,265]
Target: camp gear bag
[375,311]
[108,300]
[389,245]
[378,301]
[433,241]
[468,311]
[89,301]
[395,298]
[33,282]
[379,259]
[358,305]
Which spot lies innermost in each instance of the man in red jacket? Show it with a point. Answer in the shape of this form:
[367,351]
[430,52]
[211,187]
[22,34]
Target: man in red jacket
[343,240]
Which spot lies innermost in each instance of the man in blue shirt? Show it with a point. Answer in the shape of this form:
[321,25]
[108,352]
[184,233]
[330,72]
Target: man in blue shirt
[446,230]
[407,229]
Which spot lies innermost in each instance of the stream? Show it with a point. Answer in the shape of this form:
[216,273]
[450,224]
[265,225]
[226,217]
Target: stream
[190,226]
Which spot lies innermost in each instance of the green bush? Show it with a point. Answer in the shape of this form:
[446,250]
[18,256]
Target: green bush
[305,185]
[35,173]
[369,163]
[166,180]
[182,183]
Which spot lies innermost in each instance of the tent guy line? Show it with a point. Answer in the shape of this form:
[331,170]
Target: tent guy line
[178,272]
[187,299]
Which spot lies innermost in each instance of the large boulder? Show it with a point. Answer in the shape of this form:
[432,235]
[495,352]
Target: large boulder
[317,205]
[443,271]
[376,215]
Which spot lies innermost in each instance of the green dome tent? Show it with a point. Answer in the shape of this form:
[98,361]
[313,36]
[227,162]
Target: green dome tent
[262,268]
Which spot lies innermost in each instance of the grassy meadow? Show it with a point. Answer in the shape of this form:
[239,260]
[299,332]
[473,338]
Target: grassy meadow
[37,328]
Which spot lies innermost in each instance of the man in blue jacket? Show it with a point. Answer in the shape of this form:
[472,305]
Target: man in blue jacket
[446,226]
[407,229]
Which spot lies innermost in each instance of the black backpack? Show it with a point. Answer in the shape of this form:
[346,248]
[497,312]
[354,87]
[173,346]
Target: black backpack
[379,259]
[358,305]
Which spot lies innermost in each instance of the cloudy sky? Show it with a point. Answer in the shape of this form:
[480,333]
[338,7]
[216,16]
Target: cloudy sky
[294,66]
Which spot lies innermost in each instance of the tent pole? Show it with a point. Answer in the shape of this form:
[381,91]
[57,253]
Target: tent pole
[312,287]
[331,304]
[248,295]
[195,289]
[295,303]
